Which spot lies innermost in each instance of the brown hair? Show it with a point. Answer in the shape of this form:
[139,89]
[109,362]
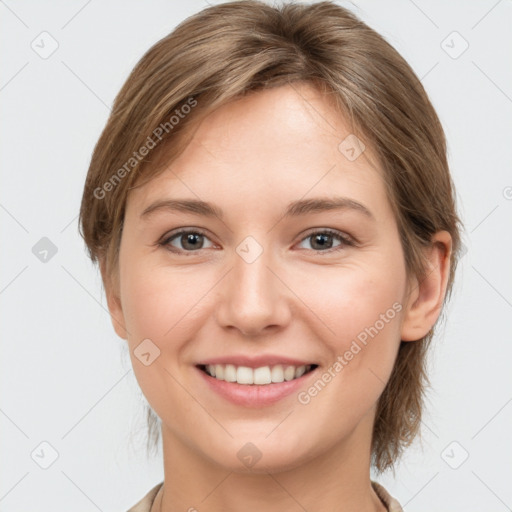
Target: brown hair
[232,49]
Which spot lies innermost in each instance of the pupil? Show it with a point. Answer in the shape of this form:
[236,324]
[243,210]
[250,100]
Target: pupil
[321,239]
[191,239]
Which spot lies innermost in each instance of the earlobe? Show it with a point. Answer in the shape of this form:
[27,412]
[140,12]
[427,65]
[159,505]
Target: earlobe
[426,295]
[111,286]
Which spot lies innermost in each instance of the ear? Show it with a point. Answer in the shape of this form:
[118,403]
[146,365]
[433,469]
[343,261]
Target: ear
[111,285]
[426,295]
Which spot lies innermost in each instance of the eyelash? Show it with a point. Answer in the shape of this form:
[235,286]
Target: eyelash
[346,241]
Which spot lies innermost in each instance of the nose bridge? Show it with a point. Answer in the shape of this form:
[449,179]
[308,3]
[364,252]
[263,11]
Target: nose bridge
[252,274]
[253,298]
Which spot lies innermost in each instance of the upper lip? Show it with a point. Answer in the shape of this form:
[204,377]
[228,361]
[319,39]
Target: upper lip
[254,361]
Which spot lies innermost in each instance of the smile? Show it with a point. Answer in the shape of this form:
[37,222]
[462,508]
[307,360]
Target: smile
[256,376]
[254,387]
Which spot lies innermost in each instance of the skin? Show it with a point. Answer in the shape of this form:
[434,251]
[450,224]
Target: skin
[251,158]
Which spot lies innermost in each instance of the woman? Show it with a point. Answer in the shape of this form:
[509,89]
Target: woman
[272,211]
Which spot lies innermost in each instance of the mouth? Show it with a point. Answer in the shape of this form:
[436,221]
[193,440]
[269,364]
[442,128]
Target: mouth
[261,376]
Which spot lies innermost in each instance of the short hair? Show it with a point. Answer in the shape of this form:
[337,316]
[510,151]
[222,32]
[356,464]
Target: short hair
[232,49]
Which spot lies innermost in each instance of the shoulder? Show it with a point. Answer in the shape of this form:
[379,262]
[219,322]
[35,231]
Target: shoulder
[144,505]
[388,500]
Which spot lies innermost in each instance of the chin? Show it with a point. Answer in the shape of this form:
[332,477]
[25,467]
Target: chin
[261,456]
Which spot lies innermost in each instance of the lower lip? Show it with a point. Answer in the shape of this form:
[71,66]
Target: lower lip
[254,395]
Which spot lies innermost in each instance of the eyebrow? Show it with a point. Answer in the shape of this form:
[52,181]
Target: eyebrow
[294,209]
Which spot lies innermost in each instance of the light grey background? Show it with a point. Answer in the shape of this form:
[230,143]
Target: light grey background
[66,378]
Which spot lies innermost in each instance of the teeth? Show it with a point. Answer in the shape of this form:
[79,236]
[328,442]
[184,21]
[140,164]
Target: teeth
[301,370]
[289,373]
[277,374]
[258,376]
[219,371]
[262,375]
[230,373]
[244,375]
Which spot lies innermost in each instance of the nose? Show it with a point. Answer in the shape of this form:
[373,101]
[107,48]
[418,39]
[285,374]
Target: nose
[253,297]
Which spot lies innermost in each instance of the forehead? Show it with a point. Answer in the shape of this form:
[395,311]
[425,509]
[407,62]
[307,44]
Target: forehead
[279,144]
[275,119]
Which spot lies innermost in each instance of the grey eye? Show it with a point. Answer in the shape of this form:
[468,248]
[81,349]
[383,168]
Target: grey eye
[190,241]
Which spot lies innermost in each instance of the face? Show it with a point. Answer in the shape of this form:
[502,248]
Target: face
[269,277]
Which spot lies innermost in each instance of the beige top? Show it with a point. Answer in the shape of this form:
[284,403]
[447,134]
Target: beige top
[144,505]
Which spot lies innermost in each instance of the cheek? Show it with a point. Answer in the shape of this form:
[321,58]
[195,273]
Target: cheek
[159,305]
[348,302]
[142,309]
[157,301]
[362,311]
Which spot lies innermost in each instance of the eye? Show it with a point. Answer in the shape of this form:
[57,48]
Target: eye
[189,240]
[322,240]
[194,240]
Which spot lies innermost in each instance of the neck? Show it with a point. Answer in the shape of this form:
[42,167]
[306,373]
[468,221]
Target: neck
[338,479]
